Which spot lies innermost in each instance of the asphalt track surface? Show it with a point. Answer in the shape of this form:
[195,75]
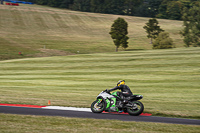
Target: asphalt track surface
[83,114]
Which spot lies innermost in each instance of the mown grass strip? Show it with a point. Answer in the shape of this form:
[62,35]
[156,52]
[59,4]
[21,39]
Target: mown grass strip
[20,123]
[168,79]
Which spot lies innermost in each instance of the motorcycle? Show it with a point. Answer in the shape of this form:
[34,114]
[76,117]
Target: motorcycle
[113,103]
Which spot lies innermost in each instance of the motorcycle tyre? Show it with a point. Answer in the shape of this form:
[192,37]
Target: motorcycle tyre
[138,112]
[102,109]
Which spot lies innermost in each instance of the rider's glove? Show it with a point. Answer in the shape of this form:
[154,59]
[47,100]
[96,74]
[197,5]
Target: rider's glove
[108,91]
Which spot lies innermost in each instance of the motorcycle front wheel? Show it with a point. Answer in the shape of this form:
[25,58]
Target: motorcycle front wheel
[136,109]
[98,106]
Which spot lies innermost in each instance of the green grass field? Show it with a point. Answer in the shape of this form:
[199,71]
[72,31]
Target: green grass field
[39,31]
[44,124]
[168,79]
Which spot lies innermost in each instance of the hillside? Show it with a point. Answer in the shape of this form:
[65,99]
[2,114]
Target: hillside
[38,31]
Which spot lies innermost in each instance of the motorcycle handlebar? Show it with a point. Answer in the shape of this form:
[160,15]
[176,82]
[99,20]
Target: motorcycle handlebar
[107,91]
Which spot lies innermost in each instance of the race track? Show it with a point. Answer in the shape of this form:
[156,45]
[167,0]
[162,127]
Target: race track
[88,114]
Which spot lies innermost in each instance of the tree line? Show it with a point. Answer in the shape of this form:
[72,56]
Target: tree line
[167,9]
[159,38]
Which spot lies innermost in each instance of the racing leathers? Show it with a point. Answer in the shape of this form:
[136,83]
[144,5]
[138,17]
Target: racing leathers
[125,91]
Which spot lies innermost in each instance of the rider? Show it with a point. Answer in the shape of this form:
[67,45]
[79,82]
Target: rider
[125,90]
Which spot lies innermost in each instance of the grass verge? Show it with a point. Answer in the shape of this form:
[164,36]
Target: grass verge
[35,124]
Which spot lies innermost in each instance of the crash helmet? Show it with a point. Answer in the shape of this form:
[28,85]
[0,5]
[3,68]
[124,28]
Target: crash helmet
[121,82]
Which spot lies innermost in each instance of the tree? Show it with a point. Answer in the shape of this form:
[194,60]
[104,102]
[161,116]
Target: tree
[163,41]
[78,5]
[191,23]
[42,2]
[96,5]
[113,6]
[174,10]
[130,6]
[66,4]
[153,7]
[163,7]
[119,33]
[152,29]
[54,3]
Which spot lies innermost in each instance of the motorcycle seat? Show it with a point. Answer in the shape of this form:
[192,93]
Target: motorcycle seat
[134,97]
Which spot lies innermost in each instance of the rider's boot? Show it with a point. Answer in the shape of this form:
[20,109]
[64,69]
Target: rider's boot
[124,101]
[120,111]
[122,104]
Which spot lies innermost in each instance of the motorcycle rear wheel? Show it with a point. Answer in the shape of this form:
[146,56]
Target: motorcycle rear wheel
[137,109]
[97,107]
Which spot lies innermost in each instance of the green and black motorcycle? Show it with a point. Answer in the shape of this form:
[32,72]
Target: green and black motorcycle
[113,103]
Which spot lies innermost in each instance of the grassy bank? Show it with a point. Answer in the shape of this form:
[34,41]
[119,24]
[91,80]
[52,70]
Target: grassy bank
[168,79]
[38,124]
[38,31]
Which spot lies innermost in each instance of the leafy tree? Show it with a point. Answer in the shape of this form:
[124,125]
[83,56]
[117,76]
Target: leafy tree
[81,5]
[191,31]
[77,6]
[163,9]
[54,3]
[163,41]
[66,4]
[42,2]
[174,9]
[152,29]
[113,6]
[96,5]
[153,7]
[146,8]
[142,10]
[86,6]
[119,33]
[130,6]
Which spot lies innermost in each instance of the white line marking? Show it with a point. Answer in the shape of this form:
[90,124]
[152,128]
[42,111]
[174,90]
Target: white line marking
[68,108]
